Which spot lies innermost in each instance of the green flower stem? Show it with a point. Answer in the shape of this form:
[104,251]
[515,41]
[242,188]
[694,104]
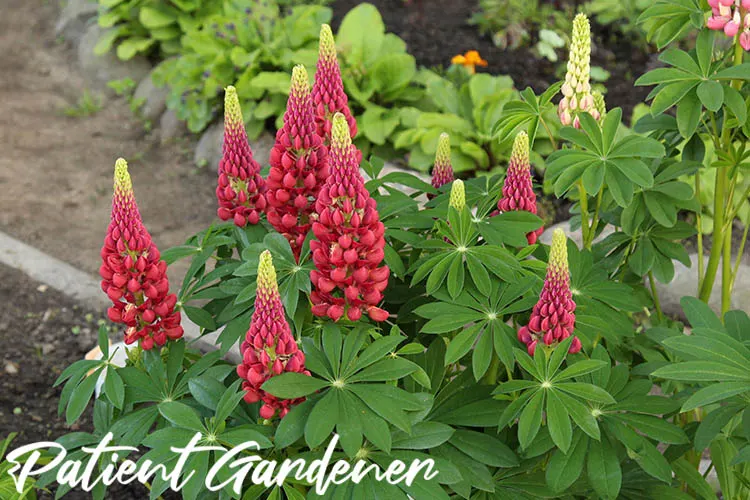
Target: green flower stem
[726,272]
[549,133]
[722,174]
[739,254]
[655,294]
[584,202]
[699,223]
[595,219]
[490,378]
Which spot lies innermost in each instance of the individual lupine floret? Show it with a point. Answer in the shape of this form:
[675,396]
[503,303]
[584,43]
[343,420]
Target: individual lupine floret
[133,275]
[442,172]
[269,348]
[553,317]
[241,189]
[328,93]
[729,16]
[299,166]
[350,244]
[518,191]
[457,198]
[576,90]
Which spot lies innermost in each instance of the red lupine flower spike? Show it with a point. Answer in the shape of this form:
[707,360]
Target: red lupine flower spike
[350,243]
[553,317]
[442,172]
[133,275]
[269,348]
[518,192]
[241,188]
[328,93]
[299,166]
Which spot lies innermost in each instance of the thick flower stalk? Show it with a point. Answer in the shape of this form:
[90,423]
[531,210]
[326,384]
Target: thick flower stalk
[241,188]
[442,172]
[299,166]
[457,198]
[576,90]
[553,317]
[518,192]
[328,93]
[269,348]
[133,275]
[350,244]
[729,16]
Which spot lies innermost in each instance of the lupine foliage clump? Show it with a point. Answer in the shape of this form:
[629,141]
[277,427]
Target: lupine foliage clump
[431,320]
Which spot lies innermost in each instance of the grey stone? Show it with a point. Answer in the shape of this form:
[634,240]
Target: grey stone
[208,150]
[101,69]
[171,127]
[74,17]
[150,99]
[685,282]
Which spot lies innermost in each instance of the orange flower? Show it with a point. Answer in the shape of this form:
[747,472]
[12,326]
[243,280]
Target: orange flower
[469,60]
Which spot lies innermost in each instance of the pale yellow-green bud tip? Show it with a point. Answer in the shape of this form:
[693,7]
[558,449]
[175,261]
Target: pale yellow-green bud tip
[558,256]
[266,274]
[123,184]
[520,151]
[599,104]
[443,154]
[232,110]
[300,82]
[458,195]
[340,134]
[327,50]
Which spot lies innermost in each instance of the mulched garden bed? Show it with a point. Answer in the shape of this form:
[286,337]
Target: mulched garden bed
[42,331]
[435,30]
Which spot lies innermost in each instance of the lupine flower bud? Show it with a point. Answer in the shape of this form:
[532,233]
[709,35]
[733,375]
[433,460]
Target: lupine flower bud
[299,166]
[458,195]
[241,188]
[350,243]
[442,172]
[600,106]
[728,16]
[269,348]
[576,90]
[328,93]
[518,191]
[133,275]
[553,317]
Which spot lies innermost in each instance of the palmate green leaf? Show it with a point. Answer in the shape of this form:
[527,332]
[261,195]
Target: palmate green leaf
[564,469]
[711,94]
[589,392]
[717,348]
[80,396]
[531,419]
[701,371]
[641,450]
[578,369]
[321,421]
[655,428]
[374,352]
[384,370]
[293,385]
[443,324]
[482,356]
[699,314]
[181,415]
[484,448]
[689,112]
[558,422]
[715,393]
[384,400]
[686,472]
[603,469]
[424,435]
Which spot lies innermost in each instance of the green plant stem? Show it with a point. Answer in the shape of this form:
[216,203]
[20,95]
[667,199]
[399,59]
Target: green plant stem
[739,254]
[584,202]
[655,294]
[595,219]
[699,223]
[490,377]
[726,272]
[549,133]
[722,175]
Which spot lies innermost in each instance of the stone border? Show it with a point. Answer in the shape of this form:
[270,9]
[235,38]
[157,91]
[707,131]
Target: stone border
[84,288]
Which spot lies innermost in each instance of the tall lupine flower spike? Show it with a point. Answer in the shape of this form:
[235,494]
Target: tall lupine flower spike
[518,192]
[442,172]
[133,275]
[328,93]
[729,16]
[350,244]
[241,188]
[458,195]
[299,166]
[576,90]
[553,317]
[269,348]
